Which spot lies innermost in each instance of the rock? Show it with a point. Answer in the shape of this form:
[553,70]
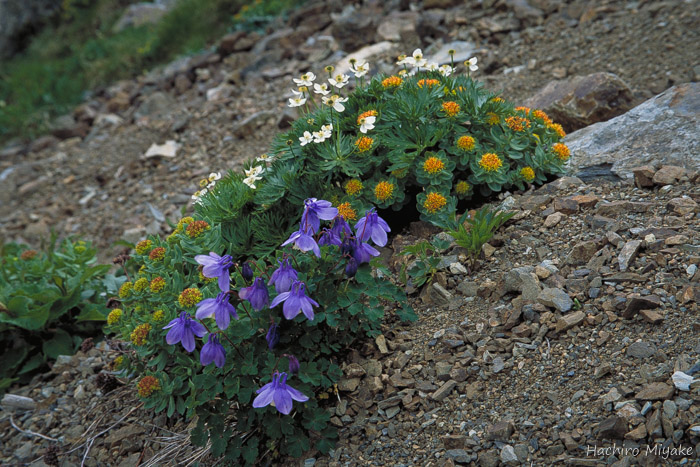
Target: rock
[641,350]
[444,390]
[555,298]
[500,431]
[399,26]
[460,456]
[682,381]
[638,433]
[582,252]
[676,240]
[468,288]
[158,104]
[643,177]
[628,253]
[553,219]
[508,455]
[611,428]
[682,205]
[651,316]
[354,370]
[18,18]
[453,441]
[655,392]
[353,28]
[220,92]
[235,42]
[669,175]
[661,130]
[380,340]
[569,321]
[348,384]
[65,127]
[583,100]
[523,280]
[636,302]
[15,402]
[140,14]
[169,149]
[463,51]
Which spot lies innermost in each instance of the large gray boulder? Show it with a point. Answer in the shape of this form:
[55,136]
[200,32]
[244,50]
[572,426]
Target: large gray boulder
[660,131]
[20,19]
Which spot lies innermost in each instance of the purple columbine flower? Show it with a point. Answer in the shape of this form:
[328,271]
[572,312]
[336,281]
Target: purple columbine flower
[283,276]
[313,211]
[278,392]
[328,237]
[340,227]
[363,252]
[256,294]
[213,352]
[351,267]
[216,266]
[183,329]
[220,307]
[295,301]
[247,272]
[273,336]
[372,226]
[293,364]
[304,242]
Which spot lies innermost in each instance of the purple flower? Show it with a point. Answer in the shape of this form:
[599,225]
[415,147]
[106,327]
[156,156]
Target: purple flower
[216,266]
[295,301]
[293,364]
[247,272]
[372,226]
[283,276]
[340,227]
[256,294]
[273,336]
[183,329]
[277,392]
[213,352]
[363,252]
[351,268]
[328,237]
[313,211]
[304,242]
[219,307]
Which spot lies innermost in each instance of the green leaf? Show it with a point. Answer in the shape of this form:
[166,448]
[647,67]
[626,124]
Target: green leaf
[32,364]
[60,344]
[20,314]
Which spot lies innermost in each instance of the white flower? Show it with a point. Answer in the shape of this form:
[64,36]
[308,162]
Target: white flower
[319,136]
[306,138]
[250,181]
[432,66]
[211,185]
[327,130]
[195,195]
[298,99]
[403,73]
[405,60]
[417,59]
[265,158]
[336,102]
[321,89]
[305,80]
[367,123]
[471,63]
[214,176]
[360,69]
[254,171]
[339,81]
[445,70]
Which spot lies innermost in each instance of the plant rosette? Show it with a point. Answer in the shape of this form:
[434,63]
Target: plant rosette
[434,169]
[387,192]
[464,147]
[436,206]
[489,169]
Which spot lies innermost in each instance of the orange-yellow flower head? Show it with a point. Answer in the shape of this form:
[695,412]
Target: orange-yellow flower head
[540,114]
[433,165]
[561,151]
[364,143]
[190,297]
[157,284]
[428,82]
[157,254]
[434,202]
[363,115]
[523,109]
[558,128]
[527,173]
[353,187]
[125,289]
[346,210]
[143,247]
[392,82]
[140,334]
[516,123]
[114,316]
[140,284]
[462,187]
[27,255]
[450,108]
[497,100]
[195,229]
[148,385]
[492,118]
[384,190]
[465,143]
[490,162]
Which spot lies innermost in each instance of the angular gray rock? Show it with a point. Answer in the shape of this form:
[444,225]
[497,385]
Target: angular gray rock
[662,130]
[555,298]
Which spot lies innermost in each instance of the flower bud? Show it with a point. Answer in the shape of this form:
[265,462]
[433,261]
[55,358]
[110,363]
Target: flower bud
[247,272]
[330,68]
[293,364]
[273,336]
[347,247]
[351,268]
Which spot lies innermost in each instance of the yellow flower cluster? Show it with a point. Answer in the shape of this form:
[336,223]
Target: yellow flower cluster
[561,151]
[346,210]
[428,82]
[434,202]
[353,187]
[540,114]
[158,316]
[363,115]
[516,123]
[364,143]
[450,108]
[182,223]
[190,297]
[157,284]
[114,316]
[497,100]
[27,255]
[125,289]
[465,143]
[139,335]
[384,190]
[157,254]
[527,173]
[195,229]
[558,128]
[462,187]
[117,363]
[433,165]
[490,162]
[492,118]
[392,82]
[140,284]
[143,247]
[148,385]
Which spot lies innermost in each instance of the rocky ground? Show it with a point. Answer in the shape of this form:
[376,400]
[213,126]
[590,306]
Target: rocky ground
[502,367]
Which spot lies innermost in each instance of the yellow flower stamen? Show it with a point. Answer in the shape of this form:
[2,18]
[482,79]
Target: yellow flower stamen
[157,254]
[490,162]
[143,247]
[465,143]
[451,108]
[384,190]
[157,284]
[434,202]
[527,173]
[433,165]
